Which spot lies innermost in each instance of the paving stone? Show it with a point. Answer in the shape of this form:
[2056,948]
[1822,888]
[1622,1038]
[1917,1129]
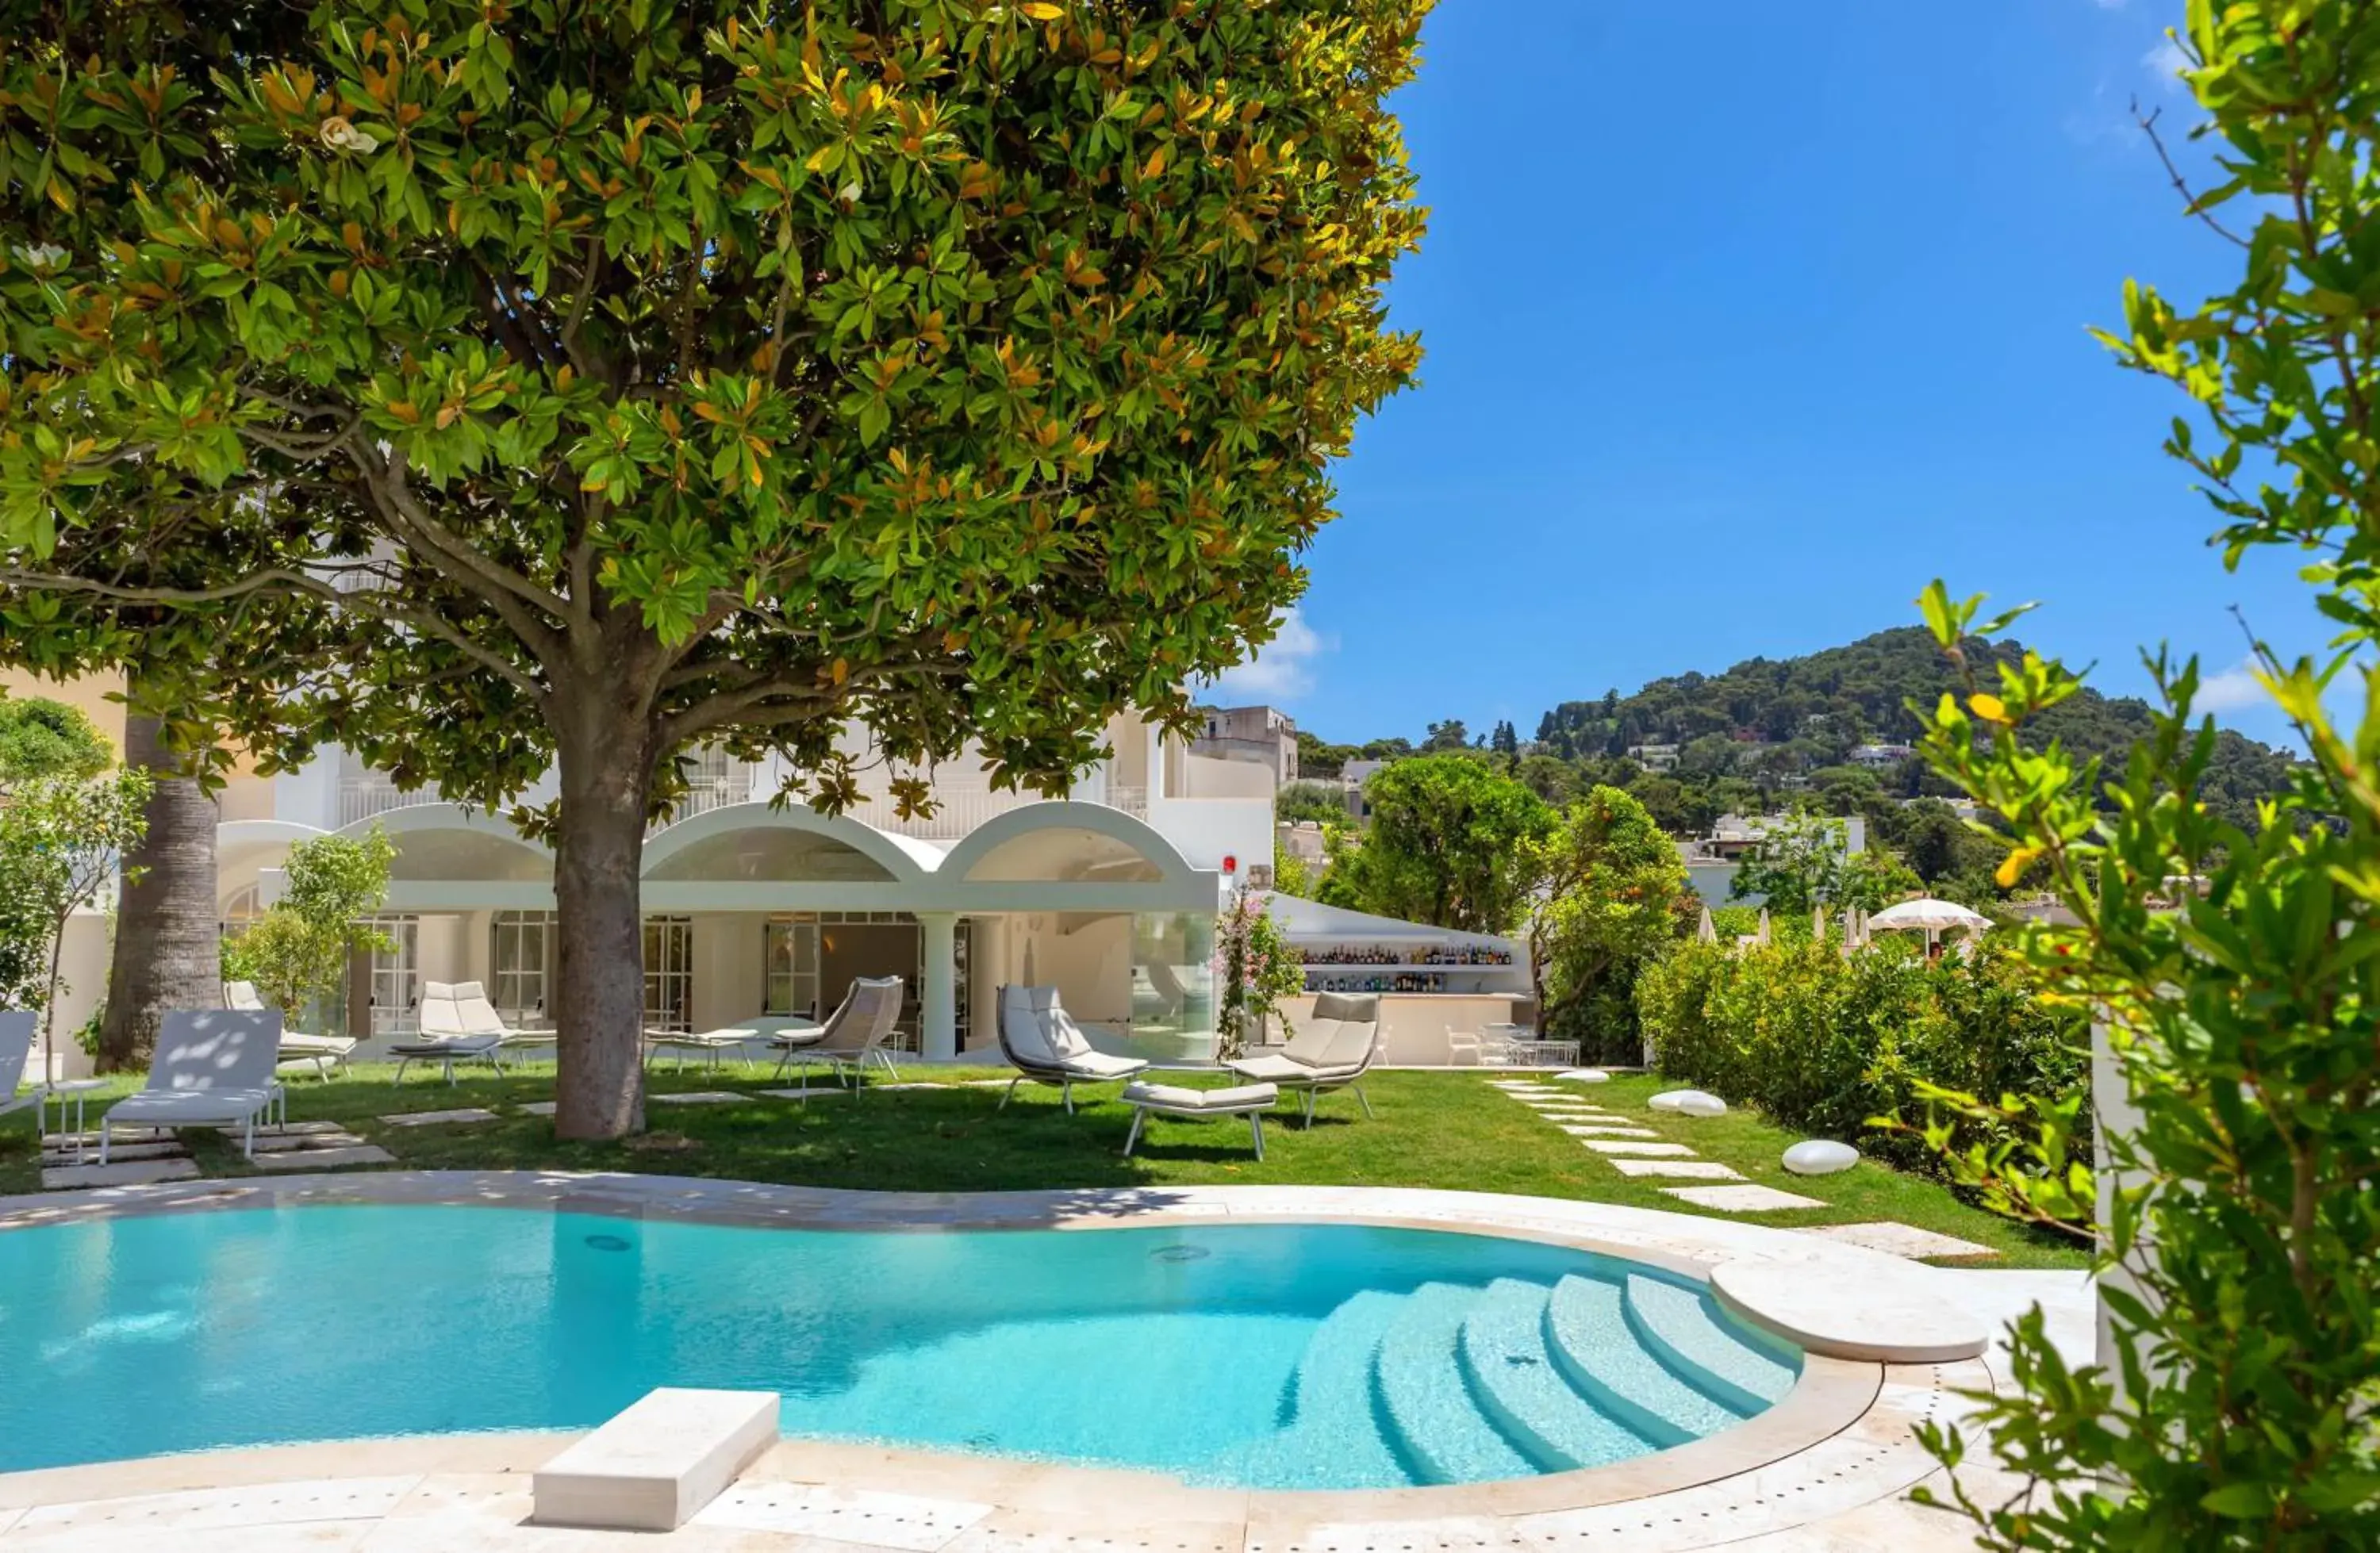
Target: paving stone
[294,1130]
[64,1154]
[283,1143]
[1749,1199]
[798,1094]
[128,1173]
[1633,1150]
[1905,1240]
[325,1158]
[1678,1169]
[468,1116]
[538,1108]
[1606,1130]
[699,1098]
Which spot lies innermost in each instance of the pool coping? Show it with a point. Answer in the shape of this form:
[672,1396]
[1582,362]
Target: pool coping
[1845,1428]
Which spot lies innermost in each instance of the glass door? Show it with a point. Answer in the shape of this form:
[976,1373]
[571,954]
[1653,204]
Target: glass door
[668,973]
[396,976]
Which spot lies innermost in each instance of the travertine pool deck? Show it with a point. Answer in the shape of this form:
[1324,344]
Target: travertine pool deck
[1829,1467]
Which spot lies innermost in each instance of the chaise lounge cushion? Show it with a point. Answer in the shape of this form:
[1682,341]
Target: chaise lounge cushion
[1274,1067]
[1174,1100]
[1022,1026]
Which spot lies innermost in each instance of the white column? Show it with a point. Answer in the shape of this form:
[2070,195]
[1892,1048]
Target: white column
[938,1000]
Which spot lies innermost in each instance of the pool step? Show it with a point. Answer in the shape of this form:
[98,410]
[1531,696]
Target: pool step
[1432,1418]
[1588,1334]
[1331,1401]
[1528,1392]
[1743,1368]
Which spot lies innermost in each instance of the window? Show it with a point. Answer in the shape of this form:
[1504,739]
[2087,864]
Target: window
[790,950]
[520,954]
[668,973]
[240,910]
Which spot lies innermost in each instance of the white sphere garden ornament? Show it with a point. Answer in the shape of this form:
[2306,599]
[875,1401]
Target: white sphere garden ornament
[1689,1102]
[1820,1156]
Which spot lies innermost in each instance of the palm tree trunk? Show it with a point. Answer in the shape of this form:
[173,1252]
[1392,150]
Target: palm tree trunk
[167,953]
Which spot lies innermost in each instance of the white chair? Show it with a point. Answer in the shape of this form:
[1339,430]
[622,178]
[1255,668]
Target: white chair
[324,1051]
[855,1033]
[1044,1044]
[17,1030]
[212,1068]
[1337,1047]
[479,1017]
[442,1036]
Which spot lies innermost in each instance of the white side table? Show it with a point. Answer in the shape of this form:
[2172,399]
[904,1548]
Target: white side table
[76,1089]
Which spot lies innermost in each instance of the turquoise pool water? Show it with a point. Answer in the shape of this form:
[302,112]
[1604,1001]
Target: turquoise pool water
[1288,1357]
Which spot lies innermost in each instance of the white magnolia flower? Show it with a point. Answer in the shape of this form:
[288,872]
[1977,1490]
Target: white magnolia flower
[42,256]
[339,135]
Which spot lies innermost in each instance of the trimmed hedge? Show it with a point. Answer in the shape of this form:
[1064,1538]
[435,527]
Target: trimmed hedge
[1822,1043]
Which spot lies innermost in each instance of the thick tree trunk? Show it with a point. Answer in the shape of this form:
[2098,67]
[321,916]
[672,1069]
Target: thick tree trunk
[168,953]
[606,771]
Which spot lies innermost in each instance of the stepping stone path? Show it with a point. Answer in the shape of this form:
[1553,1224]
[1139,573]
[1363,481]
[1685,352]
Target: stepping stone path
[1751,1197]
[1678,1169]
[801,1095]
[465,1118]
[1638,1151]
[700,1098]
[119,1172]
[1905,1240]
[538,1108]
[356,1153]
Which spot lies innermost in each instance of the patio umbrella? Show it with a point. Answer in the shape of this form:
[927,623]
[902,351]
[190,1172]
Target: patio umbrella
[1761,938]
[1931,915]
[1707,932]
[1817,924]
[1850,927]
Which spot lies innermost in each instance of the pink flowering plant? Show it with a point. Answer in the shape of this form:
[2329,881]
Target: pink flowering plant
[1255,969]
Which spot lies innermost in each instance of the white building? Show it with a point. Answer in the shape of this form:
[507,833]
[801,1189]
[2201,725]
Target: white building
[1264,736]
[1110,893]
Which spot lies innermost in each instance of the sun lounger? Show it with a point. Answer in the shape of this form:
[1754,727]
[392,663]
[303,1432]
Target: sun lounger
[212,1068]
[855,1033]
[17,1030]
[442,1036]
[479,1017]
[1251,1101]
[1044,1044]
[324,1051]
[1335,1049]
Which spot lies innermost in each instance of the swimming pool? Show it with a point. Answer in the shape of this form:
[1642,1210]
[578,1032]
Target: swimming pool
[1259,1355]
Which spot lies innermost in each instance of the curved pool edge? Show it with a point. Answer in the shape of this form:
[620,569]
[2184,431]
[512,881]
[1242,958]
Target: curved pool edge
[1841,1438]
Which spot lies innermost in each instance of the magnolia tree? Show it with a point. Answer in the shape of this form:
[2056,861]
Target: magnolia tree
[2237,976]
[588,381]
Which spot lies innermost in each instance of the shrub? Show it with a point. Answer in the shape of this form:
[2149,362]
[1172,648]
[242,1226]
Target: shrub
[1826,1044]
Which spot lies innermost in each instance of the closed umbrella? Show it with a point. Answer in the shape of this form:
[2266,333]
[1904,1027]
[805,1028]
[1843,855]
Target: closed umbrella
[1761,938]
[1707,931]
[1817,924]
[1850,927]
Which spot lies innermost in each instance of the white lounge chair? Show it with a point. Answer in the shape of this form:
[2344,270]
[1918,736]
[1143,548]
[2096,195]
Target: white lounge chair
[324,1051]
[17,1028]
[855,1033]
[212,1068]
[1335,1049]
[480,1018]
[443,1037]
[1043,1042]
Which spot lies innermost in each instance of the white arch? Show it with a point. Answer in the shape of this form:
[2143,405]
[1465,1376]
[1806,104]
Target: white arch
[1064,814]
[907,860]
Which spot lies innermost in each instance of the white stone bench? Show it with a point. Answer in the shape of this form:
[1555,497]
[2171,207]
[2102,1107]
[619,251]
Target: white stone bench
[1251,1101]
[654,1465]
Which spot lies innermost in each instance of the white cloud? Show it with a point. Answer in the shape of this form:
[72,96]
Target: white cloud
[2232,689]
[1283,669]
[2166,62]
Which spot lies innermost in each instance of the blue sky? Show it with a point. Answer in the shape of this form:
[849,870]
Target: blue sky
[1742,321]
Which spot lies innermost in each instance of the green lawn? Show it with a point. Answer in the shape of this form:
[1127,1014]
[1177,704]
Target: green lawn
[1433,1129]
